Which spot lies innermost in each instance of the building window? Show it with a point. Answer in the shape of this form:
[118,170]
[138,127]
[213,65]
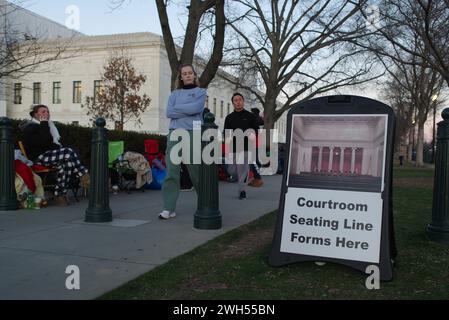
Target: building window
[76,91]
[17,93]
[229,108]
[56,92]
[98,89]
[215,106]
[36,92]
[221,109]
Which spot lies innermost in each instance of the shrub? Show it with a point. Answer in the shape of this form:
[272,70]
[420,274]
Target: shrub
[79,138]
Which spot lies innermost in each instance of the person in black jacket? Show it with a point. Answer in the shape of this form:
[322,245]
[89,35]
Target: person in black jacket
[41,140]
[242,156]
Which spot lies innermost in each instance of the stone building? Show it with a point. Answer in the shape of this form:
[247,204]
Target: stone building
[64,84]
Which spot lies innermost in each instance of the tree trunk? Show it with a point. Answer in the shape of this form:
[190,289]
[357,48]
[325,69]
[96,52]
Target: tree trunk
[420,145]
[217,53]
[122,108]
[168,38]
[191,34]
[269,107]
[197,9]
[410,144]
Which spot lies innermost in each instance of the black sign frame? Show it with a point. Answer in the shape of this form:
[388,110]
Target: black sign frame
[344,105]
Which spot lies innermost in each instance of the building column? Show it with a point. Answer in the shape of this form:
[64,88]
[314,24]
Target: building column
[352,159]
[2,108]
[320,157]
[342,158]
[2,101]
[331,158]
[298,162]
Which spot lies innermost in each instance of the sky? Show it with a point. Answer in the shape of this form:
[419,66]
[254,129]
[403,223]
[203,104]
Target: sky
[97,18]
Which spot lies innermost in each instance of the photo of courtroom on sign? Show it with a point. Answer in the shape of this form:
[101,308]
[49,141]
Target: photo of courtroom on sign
[337,152]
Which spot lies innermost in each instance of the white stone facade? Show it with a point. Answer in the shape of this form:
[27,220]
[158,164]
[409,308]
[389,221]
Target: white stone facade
[91,53]
[21,24]
[88,55]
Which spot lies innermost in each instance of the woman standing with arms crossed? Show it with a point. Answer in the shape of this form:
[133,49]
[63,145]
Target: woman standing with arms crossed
[185,106]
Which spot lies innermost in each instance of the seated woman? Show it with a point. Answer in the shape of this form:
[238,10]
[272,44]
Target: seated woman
[41,139]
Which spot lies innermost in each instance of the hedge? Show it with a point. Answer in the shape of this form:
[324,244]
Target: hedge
[79,138]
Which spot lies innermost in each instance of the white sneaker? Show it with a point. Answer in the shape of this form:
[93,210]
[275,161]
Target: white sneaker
[167,215]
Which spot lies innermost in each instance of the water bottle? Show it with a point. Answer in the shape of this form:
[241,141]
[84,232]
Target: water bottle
[30,201]
[37,202]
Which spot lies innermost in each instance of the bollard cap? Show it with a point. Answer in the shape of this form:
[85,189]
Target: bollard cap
[209,117]
[4,121]
[445,114]
[100,122]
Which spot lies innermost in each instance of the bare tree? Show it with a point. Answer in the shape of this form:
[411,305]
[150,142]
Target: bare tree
[402,22]
[118,97]
[399,99]
[197,10]
[22,53]
[420,87]
[399,42]
[295,50]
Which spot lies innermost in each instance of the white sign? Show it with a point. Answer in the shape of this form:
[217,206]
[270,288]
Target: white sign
[332,223]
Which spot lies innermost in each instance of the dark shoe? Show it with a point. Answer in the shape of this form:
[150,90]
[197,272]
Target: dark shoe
[44,203]
[242,195]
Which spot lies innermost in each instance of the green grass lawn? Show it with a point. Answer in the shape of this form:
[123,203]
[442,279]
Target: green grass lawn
[412,172]
[234,265]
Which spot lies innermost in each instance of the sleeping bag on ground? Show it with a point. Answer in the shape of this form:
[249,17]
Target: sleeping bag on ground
[158,178]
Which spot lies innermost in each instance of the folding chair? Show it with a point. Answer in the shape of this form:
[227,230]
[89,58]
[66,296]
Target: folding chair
[120,171]
[115,150]
[151,150]
[48,175]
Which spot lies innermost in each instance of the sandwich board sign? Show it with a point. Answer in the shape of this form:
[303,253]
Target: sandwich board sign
[336,200]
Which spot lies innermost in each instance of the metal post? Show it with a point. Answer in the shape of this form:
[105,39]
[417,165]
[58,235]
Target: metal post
[99,210]
[413,142]
[207,216]
[433,132]
[8,196]
[438,229]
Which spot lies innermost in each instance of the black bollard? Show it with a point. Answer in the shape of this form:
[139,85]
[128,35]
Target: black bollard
[8,196]
[207,216]
[99,210]
[438,229]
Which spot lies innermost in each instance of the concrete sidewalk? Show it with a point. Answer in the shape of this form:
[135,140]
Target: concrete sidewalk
[37,246]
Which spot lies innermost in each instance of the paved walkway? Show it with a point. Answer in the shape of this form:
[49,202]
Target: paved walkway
[37,246]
